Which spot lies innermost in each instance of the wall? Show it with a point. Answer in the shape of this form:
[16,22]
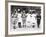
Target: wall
[2,18]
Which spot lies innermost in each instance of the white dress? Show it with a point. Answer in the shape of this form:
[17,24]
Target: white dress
[28,20]
[20,19]
[34,20]
[31,19]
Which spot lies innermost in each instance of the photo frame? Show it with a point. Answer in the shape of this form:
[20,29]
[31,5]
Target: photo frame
[26,18]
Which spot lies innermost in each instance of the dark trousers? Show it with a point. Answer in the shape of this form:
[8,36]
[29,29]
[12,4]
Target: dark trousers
[19,24]
[38,22]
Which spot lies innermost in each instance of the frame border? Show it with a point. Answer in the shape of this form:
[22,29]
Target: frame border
[6,18]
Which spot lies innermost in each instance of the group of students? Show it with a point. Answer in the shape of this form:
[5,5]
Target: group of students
[22,19]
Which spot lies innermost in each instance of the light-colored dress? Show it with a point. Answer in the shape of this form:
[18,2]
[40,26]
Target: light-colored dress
[31,20]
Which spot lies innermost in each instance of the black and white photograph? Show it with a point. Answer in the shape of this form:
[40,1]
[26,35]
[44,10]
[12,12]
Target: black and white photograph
[25,18]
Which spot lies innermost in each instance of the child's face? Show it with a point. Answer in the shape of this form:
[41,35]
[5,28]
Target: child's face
[23,11]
